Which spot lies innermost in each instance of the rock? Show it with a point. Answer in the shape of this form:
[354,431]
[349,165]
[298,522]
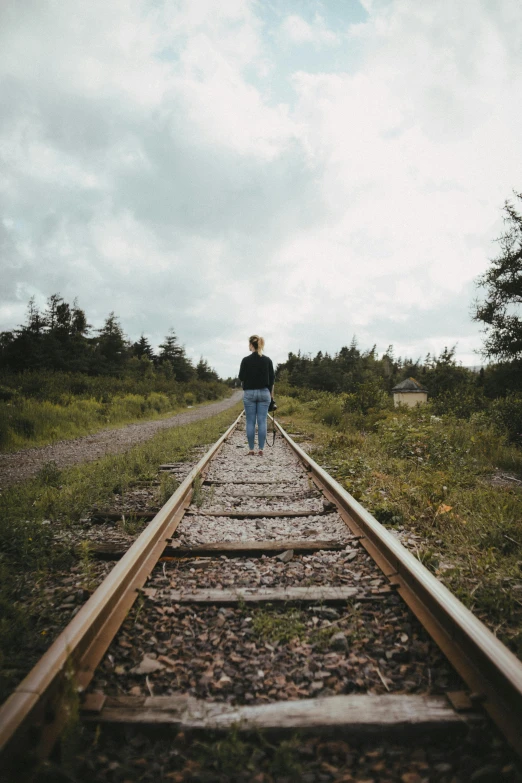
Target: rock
[285,557]
[326,611]
[339,642]
[147,666]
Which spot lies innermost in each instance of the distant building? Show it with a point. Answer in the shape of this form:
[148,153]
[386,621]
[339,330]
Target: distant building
[410,393]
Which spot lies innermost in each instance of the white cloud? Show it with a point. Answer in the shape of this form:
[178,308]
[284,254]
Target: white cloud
[148,170]
[298,31]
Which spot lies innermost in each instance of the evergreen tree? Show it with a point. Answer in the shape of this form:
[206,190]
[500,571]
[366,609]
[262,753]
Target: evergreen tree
[79,325]
[142,348]
[501,311]
[204,372]
[172,358]
[111,345]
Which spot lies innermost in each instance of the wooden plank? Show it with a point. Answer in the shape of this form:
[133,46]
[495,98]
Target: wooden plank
[258,548]
[361,715]
[227,548]
[257,514]
[252,482]
[460,700]
[248,595]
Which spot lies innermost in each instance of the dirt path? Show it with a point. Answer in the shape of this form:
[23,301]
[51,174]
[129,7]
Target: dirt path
[21,465]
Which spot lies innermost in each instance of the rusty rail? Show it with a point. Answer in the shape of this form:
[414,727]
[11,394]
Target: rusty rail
[493,673]
[33,716]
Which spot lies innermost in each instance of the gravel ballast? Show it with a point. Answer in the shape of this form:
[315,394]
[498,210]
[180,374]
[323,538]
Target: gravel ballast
[252,655]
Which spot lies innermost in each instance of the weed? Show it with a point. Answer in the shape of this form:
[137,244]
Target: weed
[320,637]
[232,755]
[138,607]
[130,524]
[50,475]
[431,475]
[278,626]
[27,549]
[226,756]
[88,572]
[429,558]
[197,493]
[168,485]
[285,760]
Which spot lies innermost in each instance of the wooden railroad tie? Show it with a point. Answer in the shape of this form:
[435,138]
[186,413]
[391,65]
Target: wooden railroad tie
[258,514]
[247,595]
[253,482]
[353,715]
[226,548]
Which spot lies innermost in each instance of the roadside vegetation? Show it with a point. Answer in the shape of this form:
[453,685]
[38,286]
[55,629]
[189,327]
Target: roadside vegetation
[59,380]
[39,408]
[32,513]
[454,482]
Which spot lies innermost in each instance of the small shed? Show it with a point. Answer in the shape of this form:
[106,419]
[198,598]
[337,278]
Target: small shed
[409,393]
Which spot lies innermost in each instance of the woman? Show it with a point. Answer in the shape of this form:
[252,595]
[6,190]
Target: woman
[257,376]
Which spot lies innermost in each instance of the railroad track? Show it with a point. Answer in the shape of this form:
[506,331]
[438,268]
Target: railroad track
[263,596]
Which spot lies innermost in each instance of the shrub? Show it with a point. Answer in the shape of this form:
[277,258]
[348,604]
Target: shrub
[506,412]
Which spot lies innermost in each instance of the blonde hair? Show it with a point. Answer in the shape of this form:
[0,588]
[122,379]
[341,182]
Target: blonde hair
[258,343]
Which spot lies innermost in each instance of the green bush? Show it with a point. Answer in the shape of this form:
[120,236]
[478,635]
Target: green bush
[507,413]
[28,421]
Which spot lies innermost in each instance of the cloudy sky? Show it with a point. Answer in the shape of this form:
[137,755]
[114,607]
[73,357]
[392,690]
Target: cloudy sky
[306,170]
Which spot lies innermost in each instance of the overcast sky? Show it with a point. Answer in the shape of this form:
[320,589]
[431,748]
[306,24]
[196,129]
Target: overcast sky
[304,170]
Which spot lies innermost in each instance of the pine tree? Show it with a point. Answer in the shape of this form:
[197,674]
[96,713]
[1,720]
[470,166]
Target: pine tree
[172,358]
[143,348]
[501,311]
[112,344]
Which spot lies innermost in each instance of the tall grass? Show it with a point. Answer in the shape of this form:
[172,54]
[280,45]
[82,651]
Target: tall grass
[31,422]
[438,477]
[32,511]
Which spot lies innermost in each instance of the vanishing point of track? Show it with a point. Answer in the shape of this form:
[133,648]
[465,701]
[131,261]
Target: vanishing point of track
[248,501]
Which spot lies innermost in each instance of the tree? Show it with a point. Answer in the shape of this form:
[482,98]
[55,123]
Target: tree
[143,348]
[501,310]
[205,372]
[172,358]
[111,344]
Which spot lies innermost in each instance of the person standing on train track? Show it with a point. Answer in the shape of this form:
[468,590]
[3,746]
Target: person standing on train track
[257,377]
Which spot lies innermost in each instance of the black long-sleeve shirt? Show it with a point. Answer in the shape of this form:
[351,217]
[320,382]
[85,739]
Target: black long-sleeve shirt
[256,372]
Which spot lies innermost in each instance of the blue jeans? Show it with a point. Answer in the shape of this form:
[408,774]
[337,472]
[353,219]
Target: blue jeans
[256,402]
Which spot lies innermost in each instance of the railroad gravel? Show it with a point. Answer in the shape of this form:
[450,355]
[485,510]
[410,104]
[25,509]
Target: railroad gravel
[252,655]
[248,654]
[21,465]
[136,757]
[197,529]
[351,567]
[51,604]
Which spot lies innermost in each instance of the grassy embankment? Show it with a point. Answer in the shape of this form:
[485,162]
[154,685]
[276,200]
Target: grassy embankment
[32,513]
[41,408]
[437,477]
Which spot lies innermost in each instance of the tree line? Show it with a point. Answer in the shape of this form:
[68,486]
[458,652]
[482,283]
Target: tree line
[351,369]
[59,338]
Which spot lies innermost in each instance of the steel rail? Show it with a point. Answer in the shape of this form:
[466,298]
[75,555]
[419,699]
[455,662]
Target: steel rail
[32,718]
[492,672]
